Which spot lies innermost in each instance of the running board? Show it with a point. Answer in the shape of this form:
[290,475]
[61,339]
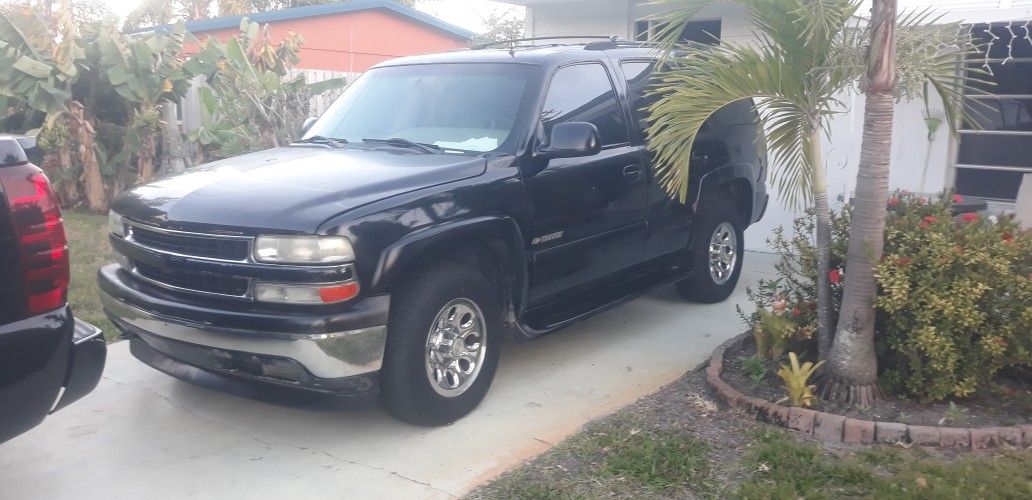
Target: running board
[625,287]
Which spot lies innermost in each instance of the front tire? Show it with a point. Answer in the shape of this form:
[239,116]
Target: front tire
[716,254]
[442,345]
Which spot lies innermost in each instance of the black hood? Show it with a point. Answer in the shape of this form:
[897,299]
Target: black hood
[291,189]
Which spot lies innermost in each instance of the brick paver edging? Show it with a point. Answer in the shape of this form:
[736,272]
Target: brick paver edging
[837,428]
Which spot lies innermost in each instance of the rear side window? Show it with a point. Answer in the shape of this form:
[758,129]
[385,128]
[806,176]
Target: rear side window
[639,75]
[584,93]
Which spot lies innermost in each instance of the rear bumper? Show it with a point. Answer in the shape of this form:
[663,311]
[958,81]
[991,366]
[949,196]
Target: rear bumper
[89,353]
[46,363]
[287,349]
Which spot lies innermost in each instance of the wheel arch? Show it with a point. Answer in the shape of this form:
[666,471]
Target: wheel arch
[734,181]
[494,245]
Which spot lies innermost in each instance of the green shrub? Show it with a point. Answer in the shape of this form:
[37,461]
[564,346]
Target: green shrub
[955,305]
[785,309]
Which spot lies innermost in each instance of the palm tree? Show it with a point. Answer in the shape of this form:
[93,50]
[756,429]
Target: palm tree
[852,365]
[807,53]
[792,76]
[852,369]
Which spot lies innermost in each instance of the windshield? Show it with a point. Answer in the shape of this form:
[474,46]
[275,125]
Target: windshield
[456,107]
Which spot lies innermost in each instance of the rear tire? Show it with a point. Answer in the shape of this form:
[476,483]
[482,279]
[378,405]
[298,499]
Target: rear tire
[716,254]
[443,342]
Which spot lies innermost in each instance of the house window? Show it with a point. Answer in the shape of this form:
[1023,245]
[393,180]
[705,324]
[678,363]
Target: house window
[993,154]
[706,32]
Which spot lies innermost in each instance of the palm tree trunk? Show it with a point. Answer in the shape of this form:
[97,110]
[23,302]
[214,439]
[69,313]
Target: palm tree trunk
[822,213]
[852,374]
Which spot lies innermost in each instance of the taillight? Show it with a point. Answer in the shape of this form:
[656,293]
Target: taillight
[39,230]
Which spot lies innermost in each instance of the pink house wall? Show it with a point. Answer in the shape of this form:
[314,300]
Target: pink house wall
[354,41]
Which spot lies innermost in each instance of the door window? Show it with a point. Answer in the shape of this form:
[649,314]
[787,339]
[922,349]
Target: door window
[584,93]
[638,74]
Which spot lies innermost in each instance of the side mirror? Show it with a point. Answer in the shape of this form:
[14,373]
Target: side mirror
[571,140]
[307,124]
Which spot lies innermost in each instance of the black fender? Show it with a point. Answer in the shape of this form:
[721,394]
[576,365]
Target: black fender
[737,176]
[500,235]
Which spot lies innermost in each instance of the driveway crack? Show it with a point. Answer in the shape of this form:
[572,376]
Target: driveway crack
[270,444]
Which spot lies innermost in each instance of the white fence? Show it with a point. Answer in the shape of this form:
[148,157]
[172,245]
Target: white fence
[190,106]
[323,101]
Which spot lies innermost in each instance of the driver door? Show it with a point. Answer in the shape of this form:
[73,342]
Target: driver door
[588,213]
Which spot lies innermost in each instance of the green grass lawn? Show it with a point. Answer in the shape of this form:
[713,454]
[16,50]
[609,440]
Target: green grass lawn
[89,249]
[679,443]
[644,463]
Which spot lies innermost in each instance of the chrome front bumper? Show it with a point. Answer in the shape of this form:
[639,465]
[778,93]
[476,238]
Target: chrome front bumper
[326,355]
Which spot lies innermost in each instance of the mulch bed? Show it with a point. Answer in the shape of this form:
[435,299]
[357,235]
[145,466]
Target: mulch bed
[987,409]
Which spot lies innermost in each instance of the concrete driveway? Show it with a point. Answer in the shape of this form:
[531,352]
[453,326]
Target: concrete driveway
[143,434]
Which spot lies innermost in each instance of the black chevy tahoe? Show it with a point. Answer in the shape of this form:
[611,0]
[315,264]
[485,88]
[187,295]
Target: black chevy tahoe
[48,359]
[441,202]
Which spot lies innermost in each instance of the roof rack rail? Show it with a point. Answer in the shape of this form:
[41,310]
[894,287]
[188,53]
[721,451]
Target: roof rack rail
[512,43]
[612,44]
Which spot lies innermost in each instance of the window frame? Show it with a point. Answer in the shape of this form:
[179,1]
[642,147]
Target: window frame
[636,116]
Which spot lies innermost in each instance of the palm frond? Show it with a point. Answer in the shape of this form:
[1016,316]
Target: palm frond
[704,82]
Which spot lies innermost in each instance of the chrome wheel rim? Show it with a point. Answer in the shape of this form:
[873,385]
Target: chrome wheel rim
[455,347]
[723,253]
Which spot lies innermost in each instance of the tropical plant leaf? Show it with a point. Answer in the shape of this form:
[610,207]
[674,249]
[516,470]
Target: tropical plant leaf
[321,87]
[32,67]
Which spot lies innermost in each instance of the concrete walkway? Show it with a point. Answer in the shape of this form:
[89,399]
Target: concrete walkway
[143,434]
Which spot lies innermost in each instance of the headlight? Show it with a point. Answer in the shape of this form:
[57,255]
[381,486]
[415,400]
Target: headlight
[305,294]
[116,224]
[303,249]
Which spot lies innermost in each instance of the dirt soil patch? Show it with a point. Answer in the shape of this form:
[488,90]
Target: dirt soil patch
[1009,404]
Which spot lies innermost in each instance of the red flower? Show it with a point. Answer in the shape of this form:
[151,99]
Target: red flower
[796,312]
[958,198]
[1008,238]
[930,219]
[903,261]
[969,217]
[835,276]
[893,202]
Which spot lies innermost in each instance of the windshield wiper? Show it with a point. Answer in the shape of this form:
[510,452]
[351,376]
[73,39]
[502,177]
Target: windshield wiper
[327,141]
[405,143]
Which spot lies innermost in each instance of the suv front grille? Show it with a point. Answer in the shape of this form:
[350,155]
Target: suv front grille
[192,244]
[193,281]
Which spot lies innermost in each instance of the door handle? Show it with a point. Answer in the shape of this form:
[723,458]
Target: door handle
[632,173]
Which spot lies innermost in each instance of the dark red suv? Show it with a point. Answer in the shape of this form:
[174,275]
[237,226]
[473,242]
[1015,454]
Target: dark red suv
[48,359]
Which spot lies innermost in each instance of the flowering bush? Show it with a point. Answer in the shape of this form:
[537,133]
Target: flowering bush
[955,301]
[785,308]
